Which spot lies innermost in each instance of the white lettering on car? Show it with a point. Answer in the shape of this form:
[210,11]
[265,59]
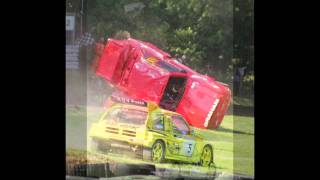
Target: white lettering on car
[214,106]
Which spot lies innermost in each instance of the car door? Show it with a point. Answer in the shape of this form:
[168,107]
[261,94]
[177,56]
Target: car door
[182,142]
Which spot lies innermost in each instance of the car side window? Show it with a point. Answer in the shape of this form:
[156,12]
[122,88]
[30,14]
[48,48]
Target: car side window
[158,122]
[179,125]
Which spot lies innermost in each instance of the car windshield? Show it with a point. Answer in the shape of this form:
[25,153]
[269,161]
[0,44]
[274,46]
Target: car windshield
[179,125]
[124,115]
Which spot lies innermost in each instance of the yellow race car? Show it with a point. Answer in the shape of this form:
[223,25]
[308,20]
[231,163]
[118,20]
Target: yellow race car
[150,133]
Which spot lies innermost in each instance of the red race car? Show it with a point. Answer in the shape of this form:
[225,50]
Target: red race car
[140,70]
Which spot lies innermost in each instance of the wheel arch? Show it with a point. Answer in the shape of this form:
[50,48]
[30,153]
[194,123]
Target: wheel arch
[161,140]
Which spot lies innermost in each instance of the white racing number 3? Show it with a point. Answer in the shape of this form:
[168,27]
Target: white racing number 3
[188,148]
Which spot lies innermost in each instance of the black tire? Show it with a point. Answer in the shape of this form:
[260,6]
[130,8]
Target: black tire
[156,145]
[207,147]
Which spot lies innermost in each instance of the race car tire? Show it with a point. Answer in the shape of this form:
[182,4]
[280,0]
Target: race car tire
[206,158]
[158,152]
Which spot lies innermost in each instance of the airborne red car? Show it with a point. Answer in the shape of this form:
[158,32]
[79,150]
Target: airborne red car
[142,71]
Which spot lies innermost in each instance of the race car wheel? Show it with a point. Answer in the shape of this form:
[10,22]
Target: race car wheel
[206,158]
[158,152]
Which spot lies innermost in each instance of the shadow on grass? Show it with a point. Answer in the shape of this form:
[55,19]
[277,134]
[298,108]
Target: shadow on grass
[234,131]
